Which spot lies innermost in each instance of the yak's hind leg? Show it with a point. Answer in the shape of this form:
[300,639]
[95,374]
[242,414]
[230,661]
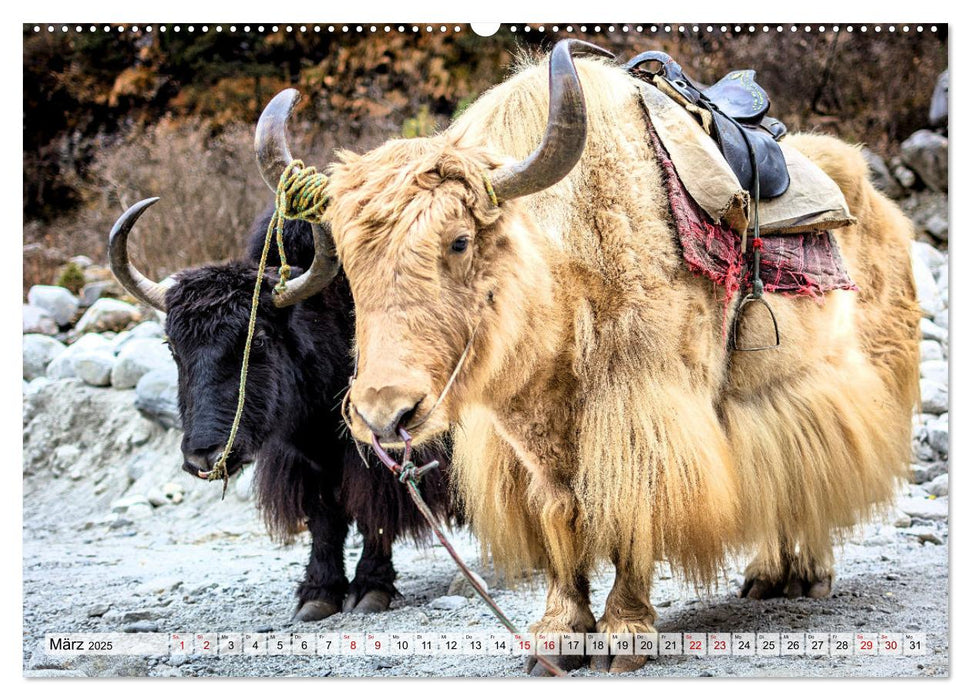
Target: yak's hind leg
[779,572]
[819,451]
[628,611]
[373,588]
[324,585]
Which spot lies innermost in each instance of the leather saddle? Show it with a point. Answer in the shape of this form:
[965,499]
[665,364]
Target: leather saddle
[734,112]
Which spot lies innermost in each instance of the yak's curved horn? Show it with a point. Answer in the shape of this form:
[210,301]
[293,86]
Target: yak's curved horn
[273,156]
[272,152]
[566,129]
[137,284]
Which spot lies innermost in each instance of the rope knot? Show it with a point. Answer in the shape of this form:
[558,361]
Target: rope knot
[409,472]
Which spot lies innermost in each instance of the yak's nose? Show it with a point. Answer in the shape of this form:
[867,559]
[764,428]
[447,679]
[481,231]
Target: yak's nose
[201,461]
[386,409]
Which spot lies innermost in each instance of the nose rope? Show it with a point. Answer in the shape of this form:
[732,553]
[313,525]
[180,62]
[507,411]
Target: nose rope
[409,475]
[451,379]
[300,194]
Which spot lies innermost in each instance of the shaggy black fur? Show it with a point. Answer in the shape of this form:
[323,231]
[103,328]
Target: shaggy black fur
[309,471]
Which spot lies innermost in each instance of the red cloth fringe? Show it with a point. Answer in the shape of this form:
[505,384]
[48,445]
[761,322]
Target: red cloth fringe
[800,264]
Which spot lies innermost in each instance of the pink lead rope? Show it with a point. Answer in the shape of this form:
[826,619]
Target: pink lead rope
[409,475]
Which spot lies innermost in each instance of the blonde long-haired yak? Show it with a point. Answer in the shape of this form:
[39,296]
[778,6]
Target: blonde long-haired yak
[534,302]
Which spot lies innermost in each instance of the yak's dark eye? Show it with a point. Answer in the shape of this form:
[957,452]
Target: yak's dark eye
[460,244]
[259,340]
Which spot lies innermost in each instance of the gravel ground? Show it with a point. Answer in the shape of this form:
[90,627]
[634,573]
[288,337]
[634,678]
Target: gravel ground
[215,571]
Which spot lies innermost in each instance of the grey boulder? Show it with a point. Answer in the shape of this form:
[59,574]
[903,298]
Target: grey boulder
[94,367]
[925,152]
[56,301]
[157,396]
[39,351]
[37,320]
[138,357]
[108,315]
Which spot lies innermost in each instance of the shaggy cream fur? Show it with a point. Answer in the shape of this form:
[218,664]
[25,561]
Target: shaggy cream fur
[600,416]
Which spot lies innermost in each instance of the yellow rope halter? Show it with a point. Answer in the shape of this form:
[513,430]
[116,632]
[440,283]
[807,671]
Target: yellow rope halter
[300,194]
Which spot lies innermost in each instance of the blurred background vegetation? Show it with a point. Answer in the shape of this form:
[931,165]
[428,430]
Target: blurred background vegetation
[111,118]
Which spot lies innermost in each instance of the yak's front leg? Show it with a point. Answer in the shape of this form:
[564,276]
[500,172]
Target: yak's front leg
[568,592]
[628,611]
[373,586]
[324,584]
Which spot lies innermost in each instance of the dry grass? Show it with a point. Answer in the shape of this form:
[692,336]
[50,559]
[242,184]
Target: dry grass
[210,189]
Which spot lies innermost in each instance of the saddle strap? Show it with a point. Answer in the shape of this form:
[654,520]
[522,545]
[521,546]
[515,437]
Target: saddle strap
[733,112]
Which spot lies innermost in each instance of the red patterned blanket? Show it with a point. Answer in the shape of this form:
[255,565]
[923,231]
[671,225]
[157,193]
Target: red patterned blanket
[807,264]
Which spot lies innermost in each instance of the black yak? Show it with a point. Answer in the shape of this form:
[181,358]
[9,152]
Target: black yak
[306,472]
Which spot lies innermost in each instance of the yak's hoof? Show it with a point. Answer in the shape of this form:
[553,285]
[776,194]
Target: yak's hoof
[314,610]
[370,602]
[762,588]
[565,663]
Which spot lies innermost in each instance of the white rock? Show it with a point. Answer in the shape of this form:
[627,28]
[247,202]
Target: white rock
[159,586]
[932,257]
[39,350]
[940,318]
[935,370]
[108,315]
[122,504]
[938,434]
[94,367]
[924,508]
[933,396]
[148,329]
[904,175]
[925,152]
[244,484]
[931,331]
[139,511]
[928,296]
[460,585]
[157,396]
[138,357]
[91,341]
[938,487]
[64,458]
[37,320]
[35,385]
[82,261]
[930,350]
[449,602]
[942,278]
[93,291]
[57,301]
[937,226]
[119,341]
[901,519]
[167,494]
[62,366]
